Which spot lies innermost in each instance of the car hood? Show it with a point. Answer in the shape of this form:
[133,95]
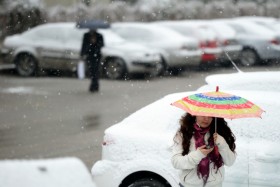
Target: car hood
[13,40]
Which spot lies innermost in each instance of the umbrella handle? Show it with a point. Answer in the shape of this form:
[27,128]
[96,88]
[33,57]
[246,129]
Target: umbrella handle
[215,124]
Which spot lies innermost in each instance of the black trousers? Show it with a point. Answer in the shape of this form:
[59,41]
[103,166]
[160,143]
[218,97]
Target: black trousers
[93,67]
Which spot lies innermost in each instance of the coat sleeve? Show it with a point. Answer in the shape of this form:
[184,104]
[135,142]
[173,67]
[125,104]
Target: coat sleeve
[189,161]
[84,45]
[100,41]
[228,156]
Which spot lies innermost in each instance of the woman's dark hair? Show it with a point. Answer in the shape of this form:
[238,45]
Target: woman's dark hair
[187,130]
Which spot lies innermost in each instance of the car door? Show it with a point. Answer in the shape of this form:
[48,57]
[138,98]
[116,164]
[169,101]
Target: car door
[50,46]
[73,44]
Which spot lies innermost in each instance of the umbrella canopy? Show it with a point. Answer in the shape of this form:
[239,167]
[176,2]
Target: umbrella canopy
[218,104]
[93,24]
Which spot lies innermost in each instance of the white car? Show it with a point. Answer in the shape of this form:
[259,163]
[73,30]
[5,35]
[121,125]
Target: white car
[122,57]
[269,22]
[57,46]
[176,50]
[137,151]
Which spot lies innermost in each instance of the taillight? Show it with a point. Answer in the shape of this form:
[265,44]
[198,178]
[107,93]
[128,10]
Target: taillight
[212,44]
[275,42]
[208,44]
[202,44]
[225,42]
[108,140]
[208,57]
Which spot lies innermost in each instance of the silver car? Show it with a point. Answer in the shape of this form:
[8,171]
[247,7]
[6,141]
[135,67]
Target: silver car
[57,46]
[176,50]
[260,44]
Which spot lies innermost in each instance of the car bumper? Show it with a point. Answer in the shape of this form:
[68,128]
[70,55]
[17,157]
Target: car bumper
[6,56]
[270,52]
[185,58]
[232,51]
[143,66]
[104,170]
[211,55]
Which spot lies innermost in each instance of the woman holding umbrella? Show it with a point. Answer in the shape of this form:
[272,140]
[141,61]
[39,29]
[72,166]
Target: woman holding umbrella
[194,153]
[204,143]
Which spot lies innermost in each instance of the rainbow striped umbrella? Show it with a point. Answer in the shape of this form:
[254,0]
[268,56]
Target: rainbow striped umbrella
[218,104]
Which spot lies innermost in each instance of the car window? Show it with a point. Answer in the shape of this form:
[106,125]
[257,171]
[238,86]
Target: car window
[46,34]
[74,35]
[238,28]
[110,38]
[223,30]
[252,28]
[206,33]
[186,31]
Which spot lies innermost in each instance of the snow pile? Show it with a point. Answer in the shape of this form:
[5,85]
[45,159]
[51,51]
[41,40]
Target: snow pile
[59,172]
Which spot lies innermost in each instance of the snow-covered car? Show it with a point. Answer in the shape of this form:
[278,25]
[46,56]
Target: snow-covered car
[57,46]
[177,51]
[260,44]
[137,151]
[208,39]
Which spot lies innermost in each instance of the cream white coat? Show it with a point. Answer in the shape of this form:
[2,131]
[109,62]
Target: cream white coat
[188,164]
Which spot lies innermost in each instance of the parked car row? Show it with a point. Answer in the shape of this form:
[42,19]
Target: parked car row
[57,46]
[150,48]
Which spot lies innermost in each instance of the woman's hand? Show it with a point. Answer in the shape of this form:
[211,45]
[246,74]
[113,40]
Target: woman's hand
[204,150]
[215,136]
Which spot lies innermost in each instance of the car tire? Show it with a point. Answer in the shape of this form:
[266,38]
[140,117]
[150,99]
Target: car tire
[147,182]
[114,68]
[26,65]
[249,57]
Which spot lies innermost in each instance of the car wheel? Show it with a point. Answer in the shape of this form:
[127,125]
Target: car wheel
[26,65]
[158,69]
[248,57]
[115,68]
[147,182]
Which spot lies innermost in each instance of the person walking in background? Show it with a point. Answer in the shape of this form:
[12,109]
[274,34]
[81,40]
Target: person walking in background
[91,54]
[200,153]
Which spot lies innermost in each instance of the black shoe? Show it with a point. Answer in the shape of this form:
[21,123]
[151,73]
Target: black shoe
[93,90]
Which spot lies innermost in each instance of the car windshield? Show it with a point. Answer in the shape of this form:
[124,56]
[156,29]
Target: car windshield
[223,30]
[46,32]
[207,33]
[149,33]
[184,30]
[251,28]
[75,34]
